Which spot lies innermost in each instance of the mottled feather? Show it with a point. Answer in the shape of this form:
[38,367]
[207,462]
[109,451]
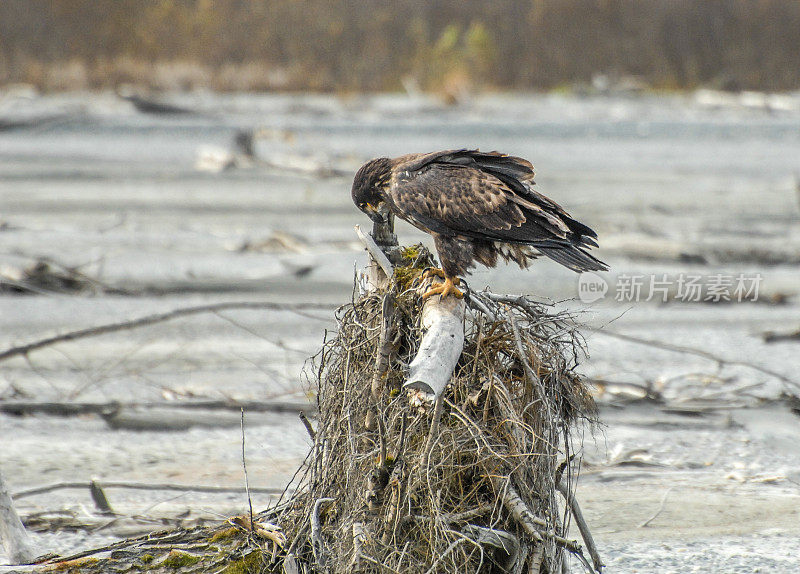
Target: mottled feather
[478,206]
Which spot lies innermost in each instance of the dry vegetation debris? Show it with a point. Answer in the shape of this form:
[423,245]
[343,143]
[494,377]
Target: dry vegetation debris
[469,484]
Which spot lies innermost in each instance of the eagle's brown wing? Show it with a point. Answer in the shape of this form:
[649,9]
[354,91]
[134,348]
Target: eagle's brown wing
[487,197]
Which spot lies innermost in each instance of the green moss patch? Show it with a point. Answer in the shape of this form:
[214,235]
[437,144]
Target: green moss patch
[250,564]
[225,534]
[180,559]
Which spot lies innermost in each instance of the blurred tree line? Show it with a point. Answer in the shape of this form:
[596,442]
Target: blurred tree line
[346,45]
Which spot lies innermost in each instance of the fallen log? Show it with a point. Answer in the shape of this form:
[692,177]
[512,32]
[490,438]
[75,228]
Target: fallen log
[779,337]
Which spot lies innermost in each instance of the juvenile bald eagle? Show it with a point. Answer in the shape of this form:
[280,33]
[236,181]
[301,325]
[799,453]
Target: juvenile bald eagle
[477,206]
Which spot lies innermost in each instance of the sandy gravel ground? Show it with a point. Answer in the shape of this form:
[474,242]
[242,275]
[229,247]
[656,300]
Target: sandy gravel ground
[702,477]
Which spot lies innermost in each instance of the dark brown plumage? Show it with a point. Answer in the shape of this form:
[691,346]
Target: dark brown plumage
[478,206]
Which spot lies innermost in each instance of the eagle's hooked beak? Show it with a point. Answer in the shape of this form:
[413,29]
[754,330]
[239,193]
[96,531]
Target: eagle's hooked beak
[377,214]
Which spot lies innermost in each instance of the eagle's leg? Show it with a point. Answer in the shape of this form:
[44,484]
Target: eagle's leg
[446,288]
[456,257]
[434,272]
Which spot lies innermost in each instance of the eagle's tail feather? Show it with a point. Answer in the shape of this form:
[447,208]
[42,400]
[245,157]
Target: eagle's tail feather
[573,258]
[584,231]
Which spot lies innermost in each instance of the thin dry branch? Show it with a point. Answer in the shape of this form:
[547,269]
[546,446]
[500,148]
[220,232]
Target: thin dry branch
[433,433]
[144,486]
[721,361]
[384,345]
[536,560]
[19,408]
[530,523]
[583,527]
[246,477]
[359,539]
[152,320]
[382,355]
[657,512]
[307,423]
[316,535]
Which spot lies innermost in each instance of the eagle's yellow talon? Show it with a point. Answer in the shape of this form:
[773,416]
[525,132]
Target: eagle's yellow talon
[445,289]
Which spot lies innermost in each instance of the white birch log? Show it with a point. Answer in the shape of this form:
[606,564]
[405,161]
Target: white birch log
[442,319]
[15,539]
[442,342]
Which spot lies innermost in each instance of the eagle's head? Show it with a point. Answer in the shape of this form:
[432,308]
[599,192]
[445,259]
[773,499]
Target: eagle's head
[370,187]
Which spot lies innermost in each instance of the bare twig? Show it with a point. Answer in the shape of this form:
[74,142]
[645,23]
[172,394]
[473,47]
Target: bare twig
[144,486]
[698,353]
[533,377]
[535,566]
[75,408]
[307,424]
[503,403]
[246,479]
[152,320]
[99,498]
[401,443]
[381,440]
[384,345]
[393,515]
[528,521]
[583,527]
[475,300]
[447,551]
[657,512]
[359,538]
[317,545]
[433,434]
[382,356]
[518,509]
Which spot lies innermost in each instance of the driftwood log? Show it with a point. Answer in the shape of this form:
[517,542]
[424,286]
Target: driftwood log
[441,444]
[13,536]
